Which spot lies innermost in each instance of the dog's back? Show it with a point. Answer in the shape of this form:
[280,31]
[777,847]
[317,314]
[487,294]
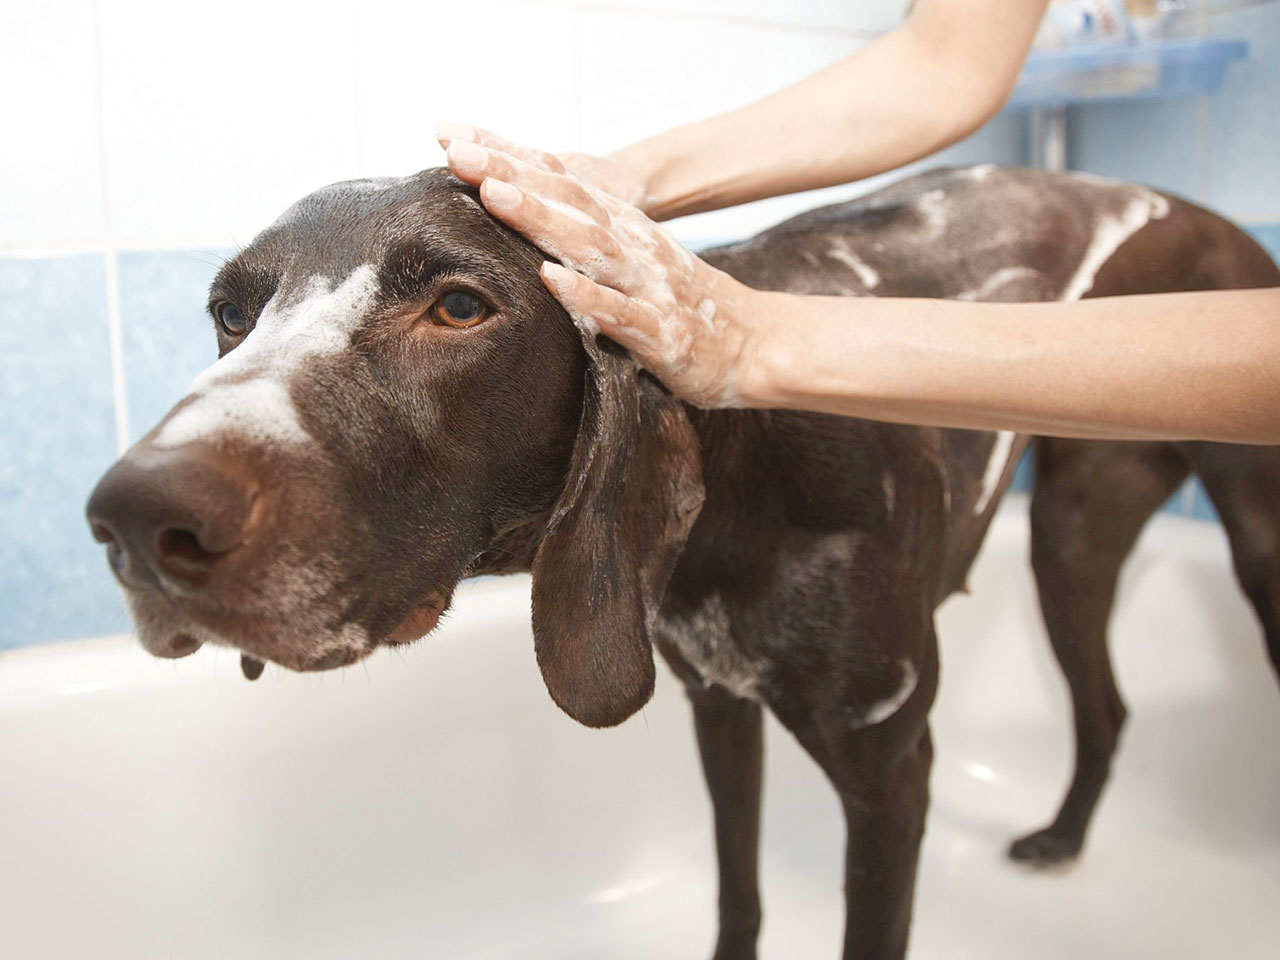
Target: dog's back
[998,234]
[993,234]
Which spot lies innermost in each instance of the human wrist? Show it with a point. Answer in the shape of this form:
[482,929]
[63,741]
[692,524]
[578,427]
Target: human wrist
[674,169]
[765,363]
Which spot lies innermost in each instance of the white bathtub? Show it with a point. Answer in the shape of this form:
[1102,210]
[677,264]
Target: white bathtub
[435,804]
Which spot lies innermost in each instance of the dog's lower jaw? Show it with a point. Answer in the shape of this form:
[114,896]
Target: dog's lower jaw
[421,620]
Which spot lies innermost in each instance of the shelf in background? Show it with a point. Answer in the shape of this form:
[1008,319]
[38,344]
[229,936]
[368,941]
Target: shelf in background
[1135,72]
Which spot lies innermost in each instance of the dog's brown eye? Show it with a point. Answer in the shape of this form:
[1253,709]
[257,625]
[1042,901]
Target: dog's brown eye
[459,309]
[230,319]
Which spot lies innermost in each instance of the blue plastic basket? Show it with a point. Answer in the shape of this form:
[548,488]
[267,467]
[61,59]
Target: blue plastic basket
[1125,72]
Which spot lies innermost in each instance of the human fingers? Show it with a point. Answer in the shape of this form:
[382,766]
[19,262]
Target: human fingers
[471,163]
[448,132]
[633,323]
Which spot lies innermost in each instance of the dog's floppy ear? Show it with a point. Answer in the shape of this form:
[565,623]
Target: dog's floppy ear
[633,491]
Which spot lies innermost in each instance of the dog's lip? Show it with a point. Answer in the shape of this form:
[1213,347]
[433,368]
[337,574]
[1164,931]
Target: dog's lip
[421,619]
[180,644]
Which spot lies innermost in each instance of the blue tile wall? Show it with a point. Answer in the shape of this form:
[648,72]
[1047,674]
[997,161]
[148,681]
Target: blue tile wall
[57,435]
[57,420]
[1151,142]
[166,334]
[1269,236]
[1244,122]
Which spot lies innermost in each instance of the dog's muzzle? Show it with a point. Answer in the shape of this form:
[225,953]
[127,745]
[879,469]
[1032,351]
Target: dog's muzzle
[173,520]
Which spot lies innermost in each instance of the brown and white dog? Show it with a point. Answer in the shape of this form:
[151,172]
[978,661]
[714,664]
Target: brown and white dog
[400,404]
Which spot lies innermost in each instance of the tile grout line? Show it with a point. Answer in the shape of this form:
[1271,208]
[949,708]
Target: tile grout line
[110,262]
[116,340]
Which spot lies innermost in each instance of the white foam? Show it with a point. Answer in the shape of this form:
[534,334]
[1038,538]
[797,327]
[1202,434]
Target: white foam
[1110,231]
[883,710]
[932,206]
[1001,278]
[996,464]
[866,273]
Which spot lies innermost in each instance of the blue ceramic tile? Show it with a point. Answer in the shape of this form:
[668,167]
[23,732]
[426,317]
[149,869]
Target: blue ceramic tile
[1269,236]
[166,334]
[1179,501]
[1202,507]
[1244,122]
[57,435]
[1151,142]
[1024,474]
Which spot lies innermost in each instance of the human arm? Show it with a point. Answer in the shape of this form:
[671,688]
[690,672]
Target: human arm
[1202,365]
[910,92]
[1187,365]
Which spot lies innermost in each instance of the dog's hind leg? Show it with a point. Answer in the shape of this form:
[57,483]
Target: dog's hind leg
[1244,484]
[1091,500]
[731,741]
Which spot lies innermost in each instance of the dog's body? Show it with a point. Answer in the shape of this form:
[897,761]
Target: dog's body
[774,558]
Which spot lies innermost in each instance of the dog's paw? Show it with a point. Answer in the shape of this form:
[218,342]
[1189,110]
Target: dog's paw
[1044,850]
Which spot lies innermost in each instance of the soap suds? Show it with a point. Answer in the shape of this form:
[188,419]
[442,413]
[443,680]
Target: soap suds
[996,463]
[884,709]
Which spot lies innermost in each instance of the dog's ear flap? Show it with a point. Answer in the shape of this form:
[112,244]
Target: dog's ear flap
[633,491]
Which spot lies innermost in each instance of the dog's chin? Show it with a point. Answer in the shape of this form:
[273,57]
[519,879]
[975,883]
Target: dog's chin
[422,619]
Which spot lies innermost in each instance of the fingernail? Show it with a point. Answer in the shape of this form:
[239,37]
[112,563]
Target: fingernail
[466,157]
[559,277]
[447,131]
[499,193]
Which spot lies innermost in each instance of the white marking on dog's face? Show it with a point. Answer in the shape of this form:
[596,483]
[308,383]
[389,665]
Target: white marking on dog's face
[982,171]
[247,392]
[1111,230]
[884,709]
[840,252]
[996,464]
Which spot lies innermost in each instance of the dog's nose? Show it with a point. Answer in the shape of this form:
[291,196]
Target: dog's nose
[172,514]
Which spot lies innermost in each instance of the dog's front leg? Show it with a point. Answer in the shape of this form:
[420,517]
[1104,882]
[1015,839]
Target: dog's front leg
[885,827]
[731,741]
[881,773]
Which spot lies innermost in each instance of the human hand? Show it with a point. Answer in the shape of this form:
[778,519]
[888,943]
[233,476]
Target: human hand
[687,323]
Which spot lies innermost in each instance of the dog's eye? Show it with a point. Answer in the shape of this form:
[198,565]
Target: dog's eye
[459,309]
[230,319]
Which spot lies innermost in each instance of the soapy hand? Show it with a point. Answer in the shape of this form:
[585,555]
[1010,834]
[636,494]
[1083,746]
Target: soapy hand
[622,274]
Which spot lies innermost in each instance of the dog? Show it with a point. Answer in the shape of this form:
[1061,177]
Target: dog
[399,404]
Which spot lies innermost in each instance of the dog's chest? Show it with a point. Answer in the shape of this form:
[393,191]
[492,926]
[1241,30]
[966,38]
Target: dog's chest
[702,634]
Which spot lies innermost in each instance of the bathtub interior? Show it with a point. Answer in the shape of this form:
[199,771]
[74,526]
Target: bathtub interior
[433,802]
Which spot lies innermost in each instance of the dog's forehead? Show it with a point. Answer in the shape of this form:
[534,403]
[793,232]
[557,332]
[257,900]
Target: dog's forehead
[336,229]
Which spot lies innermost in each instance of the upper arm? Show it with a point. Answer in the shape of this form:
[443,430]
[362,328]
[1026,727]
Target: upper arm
[981,43]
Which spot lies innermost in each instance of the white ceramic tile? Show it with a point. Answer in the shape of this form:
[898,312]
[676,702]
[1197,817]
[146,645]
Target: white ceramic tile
[50,167]
[642,74]
[508,67]
[217,117]
[864,15]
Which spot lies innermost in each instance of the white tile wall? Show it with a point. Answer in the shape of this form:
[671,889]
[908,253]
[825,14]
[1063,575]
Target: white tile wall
[216,117]
[50,161]
[863,16]
[510,67]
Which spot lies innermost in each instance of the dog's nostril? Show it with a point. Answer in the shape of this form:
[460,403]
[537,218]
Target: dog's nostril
[181,549]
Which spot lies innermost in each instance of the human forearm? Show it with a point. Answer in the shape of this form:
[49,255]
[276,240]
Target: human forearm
[1189,366]
[903,96]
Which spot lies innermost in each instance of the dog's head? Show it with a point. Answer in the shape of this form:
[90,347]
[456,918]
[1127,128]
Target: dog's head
[399,404]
